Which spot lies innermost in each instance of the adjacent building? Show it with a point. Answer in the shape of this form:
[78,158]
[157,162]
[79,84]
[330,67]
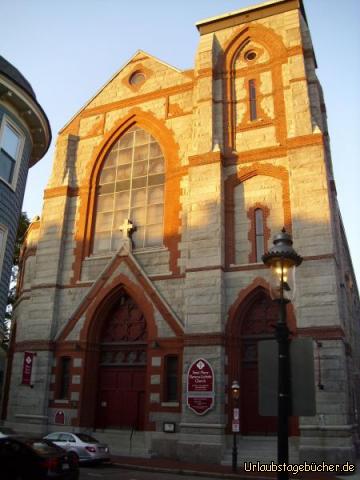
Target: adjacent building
[167,187]
[24,139]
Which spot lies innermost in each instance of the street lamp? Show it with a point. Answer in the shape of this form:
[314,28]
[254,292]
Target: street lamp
[282,259]
[235,393]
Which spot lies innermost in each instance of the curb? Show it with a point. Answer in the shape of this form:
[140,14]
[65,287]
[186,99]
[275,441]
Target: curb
[184,471]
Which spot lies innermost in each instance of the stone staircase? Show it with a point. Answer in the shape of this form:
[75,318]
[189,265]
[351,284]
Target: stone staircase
[127,443]
[259,449]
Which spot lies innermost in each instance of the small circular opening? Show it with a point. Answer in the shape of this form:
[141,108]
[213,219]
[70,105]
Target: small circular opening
[137,78]
[250,55]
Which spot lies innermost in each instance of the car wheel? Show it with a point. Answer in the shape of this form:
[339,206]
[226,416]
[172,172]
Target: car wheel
[74,458]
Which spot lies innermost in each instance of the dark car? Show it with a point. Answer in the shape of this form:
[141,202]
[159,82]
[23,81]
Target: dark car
[6,432]
[23,458]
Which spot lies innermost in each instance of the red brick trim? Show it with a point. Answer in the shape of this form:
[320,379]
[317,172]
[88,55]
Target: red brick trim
[244,268]
[73,126]
[60,192]
[325,256]
[205,159]
[159,278]
[102,289]
[86,216]
[204,339]
[205,269]
[272,43]
[322,333]
[236,315]
[37,345]
[242,175]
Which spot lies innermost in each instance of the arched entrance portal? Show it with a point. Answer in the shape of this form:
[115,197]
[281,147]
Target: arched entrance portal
[122,366]
[257,322]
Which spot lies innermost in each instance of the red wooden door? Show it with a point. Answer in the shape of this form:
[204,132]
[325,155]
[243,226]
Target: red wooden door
[253,423]
[258,323]
[120,401]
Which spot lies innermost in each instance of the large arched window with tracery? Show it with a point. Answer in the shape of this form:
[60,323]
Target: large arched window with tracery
[131,186]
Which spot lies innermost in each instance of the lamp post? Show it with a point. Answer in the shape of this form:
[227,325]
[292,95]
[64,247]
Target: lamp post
[235,393]
[282,259]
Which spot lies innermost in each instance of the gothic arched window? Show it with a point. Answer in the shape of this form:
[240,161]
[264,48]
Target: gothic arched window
[131,186]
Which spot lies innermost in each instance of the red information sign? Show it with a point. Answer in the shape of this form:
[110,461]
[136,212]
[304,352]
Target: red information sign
[27,368]
[200,387]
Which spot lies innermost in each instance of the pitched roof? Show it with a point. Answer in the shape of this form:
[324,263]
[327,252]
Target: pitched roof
[7,69]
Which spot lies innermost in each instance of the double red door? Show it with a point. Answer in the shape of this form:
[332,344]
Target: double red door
[121,397]
[252,423]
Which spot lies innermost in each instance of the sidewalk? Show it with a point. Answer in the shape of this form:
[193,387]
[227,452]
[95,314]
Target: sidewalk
[215,471]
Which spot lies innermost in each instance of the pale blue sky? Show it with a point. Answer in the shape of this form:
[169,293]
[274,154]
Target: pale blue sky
[68,49]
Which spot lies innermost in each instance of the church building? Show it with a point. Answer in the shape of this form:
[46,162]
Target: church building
[144,269]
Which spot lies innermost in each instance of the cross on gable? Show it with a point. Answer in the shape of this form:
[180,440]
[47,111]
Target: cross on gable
[127,228]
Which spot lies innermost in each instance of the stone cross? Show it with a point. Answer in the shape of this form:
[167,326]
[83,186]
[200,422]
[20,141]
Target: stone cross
[127,228]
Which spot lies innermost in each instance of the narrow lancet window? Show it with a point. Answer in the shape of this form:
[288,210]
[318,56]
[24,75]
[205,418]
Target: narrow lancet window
[252,100]
[259,234]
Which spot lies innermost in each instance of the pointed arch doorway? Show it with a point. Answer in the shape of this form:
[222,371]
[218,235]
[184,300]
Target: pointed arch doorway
[122,366]
[256,323]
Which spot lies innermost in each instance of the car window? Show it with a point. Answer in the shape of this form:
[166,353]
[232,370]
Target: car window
[53,437]
[66,437]
[86,438]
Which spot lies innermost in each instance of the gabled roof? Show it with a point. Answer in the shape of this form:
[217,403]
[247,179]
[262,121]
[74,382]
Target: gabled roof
[138,53]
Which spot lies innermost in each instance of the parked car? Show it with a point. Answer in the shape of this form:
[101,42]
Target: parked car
[6,431]
[24,458]
[86,448]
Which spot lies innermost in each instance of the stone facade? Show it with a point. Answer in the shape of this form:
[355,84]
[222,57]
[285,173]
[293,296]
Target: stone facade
[244,131]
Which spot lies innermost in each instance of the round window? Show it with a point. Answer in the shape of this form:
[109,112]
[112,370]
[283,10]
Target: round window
[250,55]
[137,78]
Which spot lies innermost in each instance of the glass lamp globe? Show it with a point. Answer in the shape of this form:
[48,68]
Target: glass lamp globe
[282,260]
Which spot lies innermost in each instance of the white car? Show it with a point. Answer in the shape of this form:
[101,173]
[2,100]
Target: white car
[85,447]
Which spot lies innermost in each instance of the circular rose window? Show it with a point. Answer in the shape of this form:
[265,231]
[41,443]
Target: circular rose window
[250,55]
[137,78]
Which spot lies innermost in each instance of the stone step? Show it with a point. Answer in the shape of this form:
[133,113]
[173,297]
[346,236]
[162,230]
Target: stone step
[128,443]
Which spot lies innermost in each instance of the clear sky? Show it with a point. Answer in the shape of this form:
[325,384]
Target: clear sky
[68,49]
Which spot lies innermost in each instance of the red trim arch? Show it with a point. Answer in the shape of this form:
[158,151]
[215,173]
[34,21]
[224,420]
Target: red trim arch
[98,310]
[87,192]
[273,44]
[242,175]
[90,333]
[233,331]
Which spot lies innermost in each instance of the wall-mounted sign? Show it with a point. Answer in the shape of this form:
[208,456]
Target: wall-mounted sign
[200,387]
[169,427]
[60,417]
[27,368]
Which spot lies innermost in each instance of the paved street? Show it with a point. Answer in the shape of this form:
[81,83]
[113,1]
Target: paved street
[108,472]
